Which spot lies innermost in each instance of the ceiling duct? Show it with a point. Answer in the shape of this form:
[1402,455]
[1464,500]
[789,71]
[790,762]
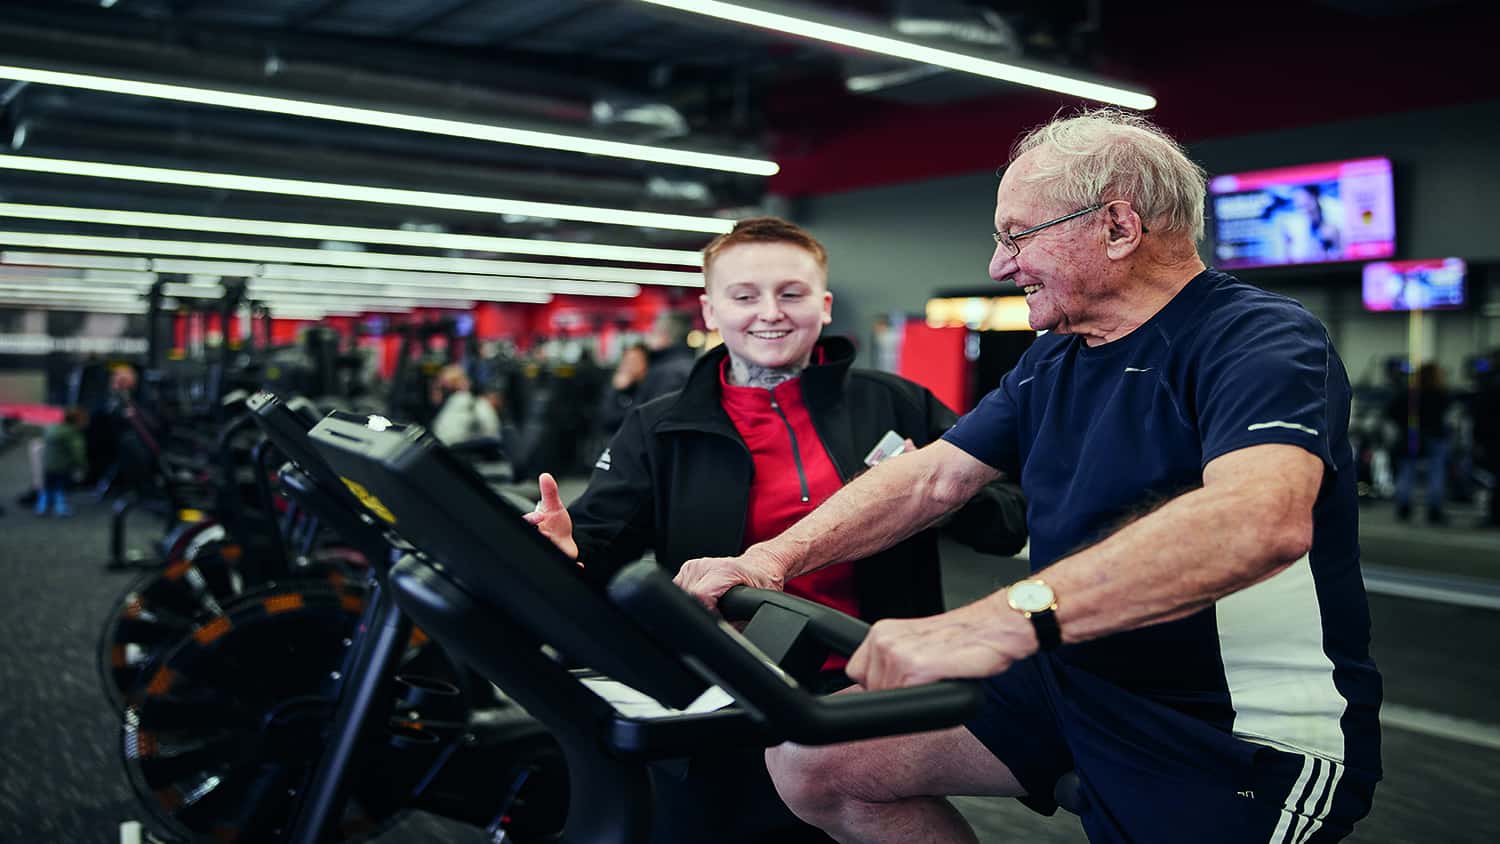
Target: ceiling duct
[549,99]
[957,23]
[645,122]
[940,23]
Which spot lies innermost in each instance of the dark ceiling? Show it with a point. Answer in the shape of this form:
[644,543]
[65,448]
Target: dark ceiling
[627,70]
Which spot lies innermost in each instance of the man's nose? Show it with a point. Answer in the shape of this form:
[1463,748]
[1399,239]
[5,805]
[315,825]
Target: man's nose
[1002,264]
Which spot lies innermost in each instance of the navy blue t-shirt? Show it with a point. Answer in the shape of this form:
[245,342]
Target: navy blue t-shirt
[1100,436]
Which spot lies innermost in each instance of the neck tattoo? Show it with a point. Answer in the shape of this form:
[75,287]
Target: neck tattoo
[745,374]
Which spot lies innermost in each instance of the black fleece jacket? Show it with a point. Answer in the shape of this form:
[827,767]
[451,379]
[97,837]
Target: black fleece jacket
[676,478]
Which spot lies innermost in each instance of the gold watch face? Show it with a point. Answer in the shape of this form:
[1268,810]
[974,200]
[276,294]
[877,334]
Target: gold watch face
[1031,596]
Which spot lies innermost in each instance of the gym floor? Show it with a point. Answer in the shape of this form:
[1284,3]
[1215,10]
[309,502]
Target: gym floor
[61,779]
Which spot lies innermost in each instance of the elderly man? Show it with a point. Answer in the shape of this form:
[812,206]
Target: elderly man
[1194,637]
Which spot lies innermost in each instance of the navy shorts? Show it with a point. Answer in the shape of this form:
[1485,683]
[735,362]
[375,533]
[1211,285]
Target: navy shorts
[1152,774]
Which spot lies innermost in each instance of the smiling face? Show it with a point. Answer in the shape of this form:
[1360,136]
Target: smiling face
[769,301]
[1062,268]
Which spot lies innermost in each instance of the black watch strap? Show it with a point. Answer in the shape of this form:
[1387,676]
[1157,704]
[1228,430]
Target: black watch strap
[1048,634]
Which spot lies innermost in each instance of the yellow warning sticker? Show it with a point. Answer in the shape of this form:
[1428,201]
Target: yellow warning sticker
[368,499]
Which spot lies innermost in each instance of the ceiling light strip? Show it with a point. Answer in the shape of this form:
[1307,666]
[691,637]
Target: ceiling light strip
[82,262]
[365,193]
[207,287]
[393,120]
[90,306]
[359,234]
[324,275]
[885,45]
[48,287]
[352,275]
[255,255]
[425,299]
[611,289]
[47,297]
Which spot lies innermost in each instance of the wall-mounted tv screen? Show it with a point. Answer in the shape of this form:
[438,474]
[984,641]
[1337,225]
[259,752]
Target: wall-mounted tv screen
[1309,214]
[1414,285]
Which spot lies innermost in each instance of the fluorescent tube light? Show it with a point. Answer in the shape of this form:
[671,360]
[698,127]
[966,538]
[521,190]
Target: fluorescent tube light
[488,292]
[44,287]
[299,272]
[393,120]
[331,257]
[309,313]
[122,281]
[88,305]
[213,270]
[45,294]
[885,45]
[424,299]
[85,262]
[365,193]
[358,234]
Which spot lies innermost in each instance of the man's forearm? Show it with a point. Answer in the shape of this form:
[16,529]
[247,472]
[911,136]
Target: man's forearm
[885,505]
[1173,562]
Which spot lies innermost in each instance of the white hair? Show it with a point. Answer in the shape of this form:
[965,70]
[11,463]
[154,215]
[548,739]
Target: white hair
[1104,154]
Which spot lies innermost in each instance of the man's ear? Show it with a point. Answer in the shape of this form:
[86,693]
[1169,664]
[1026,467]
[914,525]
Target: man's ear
[827,306]
[1124,229]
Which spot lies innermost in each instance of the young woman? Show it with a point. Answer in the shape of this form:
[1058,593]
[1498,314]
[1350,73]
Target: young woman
[768,425]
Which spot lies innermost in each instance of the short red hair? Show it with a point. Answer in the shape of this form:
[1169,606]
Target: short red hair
[764,230]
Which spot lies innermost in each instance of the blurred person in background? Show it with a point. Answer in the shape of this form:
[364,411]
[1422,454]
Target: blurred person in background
[63,458]
[121,447]
[1486,415]
[671,357]
[624,388]
[462,416]
[1426,438]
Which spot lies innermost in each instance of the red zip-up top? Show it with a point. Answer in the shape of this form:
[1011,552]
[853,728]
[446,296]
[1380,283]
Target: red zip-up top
[793,475]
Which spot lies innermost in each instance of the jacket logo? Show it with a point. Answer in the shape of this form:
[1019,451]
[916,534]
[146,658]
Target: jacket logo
[603,462]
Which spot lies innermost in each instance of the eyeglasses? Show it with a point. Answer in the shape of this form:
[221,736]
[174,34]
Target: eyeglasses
[1008,240]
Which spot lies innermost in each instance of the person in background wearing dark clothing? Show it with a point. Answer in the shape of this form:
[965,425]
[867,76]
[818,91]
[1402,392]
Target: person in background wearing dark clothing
[623,390]
[63,457]
[1425,438]
[767,426]
[1486,415]
[671,357]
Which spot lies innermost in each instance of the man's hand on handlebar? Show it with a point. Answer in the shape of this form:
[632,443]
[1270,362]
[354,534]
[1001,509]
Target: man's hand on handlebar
[708,578]
[979,640]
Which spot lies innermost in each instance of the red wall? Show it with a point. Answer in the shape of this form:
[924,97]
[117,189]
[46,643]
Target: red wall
[934,358]
[1289,63]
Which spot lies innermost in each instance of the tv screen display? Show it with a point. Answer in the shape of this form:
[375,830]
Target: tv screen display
[1414,285]
[1309,214]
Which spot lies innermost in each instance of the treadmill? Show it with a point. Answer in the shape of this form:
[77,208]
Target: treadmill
[501,598]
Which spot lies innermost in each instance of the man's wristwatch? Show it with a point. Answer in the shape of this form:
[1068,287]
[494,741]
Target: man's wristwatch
[1035,600]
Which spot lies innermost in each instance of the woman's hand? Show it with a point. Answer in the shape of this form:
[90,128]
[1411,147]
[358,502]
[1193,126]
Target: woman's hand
[551,517]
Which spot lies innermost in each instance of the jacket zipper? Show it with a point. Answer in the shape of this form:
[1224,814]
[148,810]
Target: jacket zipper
[796,451]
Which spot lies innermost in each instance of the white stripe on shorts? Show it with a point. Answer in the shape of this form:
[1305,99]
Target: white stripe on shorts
[1288,814]
[1309,801]
[1325,802]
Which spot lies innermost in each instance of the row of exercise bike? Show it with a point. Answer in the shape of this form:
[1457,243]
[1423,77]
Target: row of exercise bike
[227,659]
[350,623]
